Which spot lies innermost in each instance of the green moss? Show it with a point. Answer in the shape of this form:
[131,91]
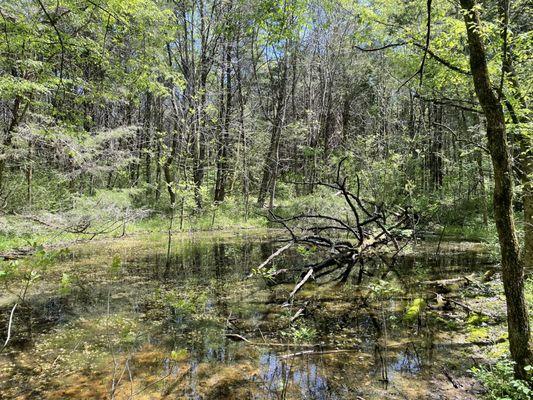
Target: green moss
[478,333]
[414,310]
[476,319]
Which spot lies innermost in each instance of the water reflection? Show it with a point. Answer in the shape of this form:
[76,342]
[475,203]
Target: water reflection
[187,306]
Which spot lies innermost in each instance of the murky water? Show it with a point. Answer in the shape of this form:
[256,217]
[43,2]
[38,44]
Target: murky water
[127,323]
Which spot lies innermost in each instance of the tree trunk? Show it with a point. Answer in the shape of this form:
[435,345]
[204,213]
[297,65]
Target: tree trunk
[224,124]
[8,131]
[270,166]
[482,188]
[525,141]
[512,267]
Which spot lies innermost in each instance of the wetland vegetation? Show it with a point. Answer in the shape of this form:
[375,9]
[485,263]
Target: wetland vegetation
[114,319]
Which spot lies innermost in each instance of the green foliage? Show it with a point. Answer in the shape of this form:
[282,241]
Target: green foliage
[186,303]
[500,383]
[179,355]
[300,334]
[19,276]
[413,311]
[306,251]
[116,265]
[265,273]
[382,289]
[65,285]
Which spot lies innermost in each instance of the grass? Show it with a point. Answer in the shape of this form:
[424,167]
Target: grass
[18,233]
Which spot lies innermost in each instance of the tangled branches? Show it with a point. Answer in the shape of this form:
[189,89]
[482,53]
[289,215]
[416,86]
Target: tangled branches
[370,231]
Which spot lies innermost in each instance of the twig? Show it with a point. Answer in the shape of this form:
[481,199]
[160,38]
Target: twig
[9,328]
[274,255]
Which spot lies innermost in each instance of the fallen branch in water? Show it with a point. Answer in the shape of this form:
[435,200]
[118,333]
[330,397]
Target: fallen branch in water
[272,256]
[450,378]
[367,230]
[465,306]
[299,312]
[239,338]
[9,328]
[301,283]
[451,281]
[317,353]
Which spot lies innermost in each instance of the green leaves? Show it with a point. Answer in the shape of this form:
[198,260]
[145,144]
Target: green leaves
[65,284]
[500,382]
[84,53]
[280,20]
[116,264]
[11,87]
[301,334]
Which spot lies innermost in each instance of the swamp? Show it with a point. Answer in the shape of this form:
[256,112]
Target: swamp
[266,199]
[113,318]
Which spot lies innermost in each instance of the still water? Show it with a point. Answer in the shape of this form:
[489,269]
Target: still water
[117,319]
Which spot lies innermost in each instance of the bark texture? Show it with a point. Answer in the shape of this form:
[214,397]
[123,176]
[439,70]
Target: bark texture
[512,266]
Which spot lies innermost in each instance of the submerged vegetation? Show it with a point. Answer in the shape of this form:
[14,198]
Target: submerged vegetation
[194,327]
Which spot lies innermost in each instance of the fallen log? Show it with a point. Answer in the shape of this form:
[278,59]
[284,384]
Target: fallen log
[17,254]
[451,281]
[239,338]
[317,353]
[463,305]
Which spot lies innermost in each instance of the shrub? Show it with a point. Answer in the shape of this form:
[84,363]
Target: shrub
[500,382]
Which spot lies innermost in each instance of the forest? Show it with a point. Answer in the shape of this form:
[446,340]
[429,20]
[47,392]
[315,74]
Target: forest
[266,199]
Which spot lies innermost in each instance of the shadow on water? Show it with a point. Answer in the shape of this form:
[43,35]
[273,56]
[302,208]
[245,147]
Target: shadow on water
[159,329]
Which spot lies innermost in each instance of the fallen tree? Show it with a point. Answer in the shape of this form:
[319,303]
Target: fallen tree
[370,231]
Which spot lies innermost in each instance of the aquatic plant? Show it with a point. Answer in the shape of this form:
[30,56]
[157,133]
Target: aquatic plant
[300,334]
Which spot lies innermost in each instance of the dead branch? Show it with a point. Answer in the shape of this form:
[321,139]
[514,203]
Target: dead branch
[8,338]
[240,338]
[301,283]
[368,231]
[274,255]
[465,306]
[317,353]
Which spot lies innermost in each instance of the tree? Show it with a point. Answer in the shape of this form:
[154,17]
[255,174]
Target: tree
[512,264]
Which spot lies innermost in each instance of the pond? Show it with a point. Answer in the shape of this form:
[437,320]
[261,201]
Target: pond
[116,319]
